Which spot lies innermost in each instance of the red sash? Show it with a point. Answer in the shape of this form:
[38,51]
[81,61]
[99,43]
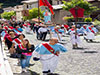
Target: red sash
[21,47]
[11,27]
[6,27]
[25,25]
[84,27]
[72,29]
[16,40]
[9,38]
[49,48]
[57,31]
[91,30]
[5,31]
[17,30]
[6,35]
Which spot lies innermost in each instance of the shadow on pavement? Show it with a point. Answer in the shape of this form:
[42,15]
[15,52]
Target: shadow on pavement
[31,65]
[33,73]
[90,52]
[94,42]
[53,74]
[80,48]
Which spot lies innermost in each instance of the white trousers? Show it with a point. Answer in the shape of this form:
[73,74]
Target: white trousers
[75,40]
[49,62]
[27,30]
[90,35]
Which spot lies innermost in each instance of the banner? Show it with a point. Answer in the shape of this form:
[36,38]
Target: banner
[47,17]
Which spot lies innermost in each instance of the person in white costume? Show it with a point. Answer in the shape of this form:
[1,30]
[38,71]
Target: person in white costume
[28,29]
[83,31]
[57,33]
[49,55]
[91,32]
[74,37]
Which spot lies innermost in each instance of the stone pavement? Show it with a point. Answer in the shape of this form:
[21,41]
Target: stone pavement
[74,62]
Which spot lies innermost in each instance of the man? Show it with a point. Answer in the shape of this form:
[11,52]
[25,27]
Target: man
[91,32]
[83,31]
[57,33]
[74,37]
[36,28]
[43,32]
[48,53]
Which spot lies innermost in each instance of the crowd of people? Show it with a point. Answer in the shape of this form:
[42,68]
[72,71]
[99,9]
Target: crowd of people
[20,47]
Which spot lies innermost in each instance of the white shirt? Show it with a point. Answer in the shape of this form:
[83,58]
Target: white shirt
[42,29]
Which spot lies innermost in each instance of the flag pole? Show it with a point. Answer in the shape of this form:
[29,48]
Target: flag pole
[38,11]
[76,20]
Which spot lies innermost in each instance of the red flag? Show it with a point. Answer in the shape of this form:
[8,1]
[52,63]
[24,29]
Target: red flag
[46,3]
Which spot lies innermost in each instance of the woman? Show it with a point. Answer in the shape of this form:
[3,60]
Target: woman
[25,49]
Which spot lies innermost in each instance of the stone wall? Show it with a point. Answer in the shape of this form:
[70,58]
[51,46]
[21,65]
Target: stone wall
[58,17]
[95,14]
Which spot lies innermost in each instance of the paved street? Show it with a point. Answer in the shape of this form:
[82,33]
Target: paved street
[74,62]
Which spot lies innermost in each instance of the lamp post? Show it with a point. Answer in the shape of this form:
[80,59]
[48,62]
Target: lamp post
[76,20]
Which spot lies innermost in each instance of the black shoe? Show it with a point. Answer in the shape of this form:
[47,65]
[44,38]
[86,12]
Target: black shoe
[91,40]
[79,48]
[86,40]
[52,74]
[74,48]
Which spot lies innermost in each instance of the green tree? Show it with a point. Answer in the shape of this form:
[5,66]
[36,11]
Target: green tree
[33,13]
[7,15]
[81,3]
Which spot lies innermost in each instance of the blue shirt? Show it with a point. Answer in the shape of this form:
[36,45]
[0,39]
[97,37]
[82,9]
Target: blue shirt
[20,29]
[57,47]
[78,31]
[61,30]
[82,29]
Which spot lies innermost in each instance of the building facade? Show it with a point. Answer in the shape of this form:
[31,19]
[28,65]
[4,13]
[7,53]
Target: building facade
[57,5]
